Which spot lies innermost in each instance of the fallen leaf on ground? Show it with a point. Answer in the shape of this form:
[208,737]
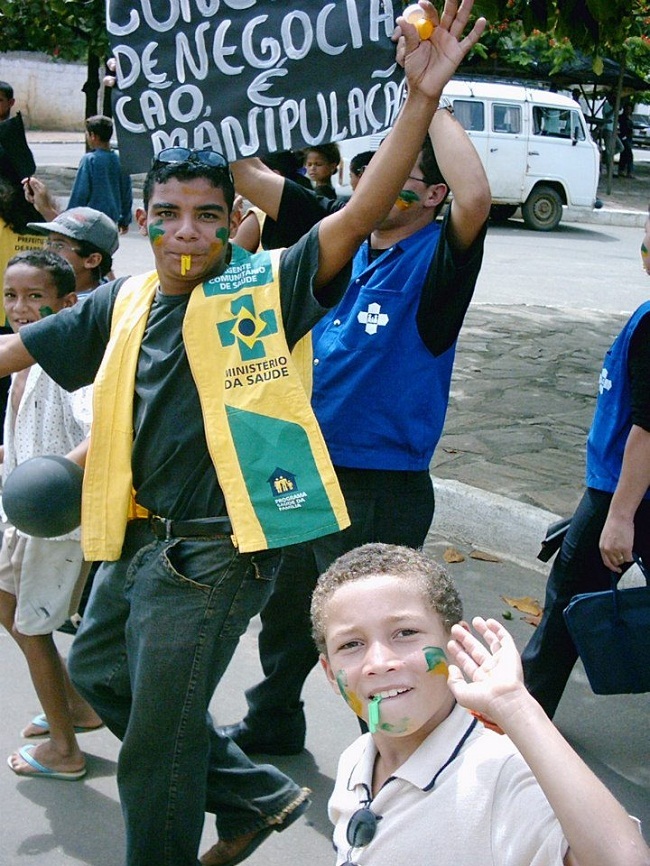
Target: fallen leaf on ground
[526,604]
[532,620]
[453,555]
[484,556]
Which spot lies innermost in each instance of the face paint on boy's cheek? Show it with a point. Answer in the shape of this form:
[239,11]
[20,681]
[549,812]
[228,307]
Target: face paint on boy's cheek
[436,660]
[406,199]
[645,257]
[45,311]
[155,232]
[352,699]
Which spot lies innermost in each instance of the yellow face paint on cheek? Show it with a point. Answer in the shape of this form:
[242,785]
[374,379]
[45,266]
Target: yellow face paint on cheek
[351,698]
[186,264]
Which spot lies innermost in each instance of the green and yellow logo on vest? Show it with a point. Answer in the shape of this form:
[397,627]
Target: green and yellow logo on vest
[247,328]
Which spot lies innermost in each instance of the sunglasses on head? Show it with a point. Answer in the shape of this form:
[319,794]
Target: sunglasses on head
[178,155]
[361,830]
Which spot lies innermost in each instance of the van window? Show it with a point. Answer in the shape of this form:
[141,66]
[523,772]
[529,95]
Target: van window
[470,115]
[557,122]
[506,118]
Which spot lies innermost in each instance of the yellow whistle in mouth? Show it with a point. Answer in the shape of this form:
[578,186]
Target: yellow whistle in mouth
[186,264]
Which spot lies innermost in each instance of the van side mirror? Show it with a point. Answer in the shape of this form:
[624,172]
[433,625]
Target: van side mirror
[576,135]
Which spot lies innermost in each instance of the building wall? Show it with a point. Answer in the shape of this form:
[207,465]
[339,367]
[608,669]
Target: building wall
[47,91]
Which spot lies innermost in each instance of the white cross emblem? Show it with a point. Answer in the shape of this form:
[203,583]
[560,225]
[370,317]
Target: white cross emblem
[372,318]
[604,384]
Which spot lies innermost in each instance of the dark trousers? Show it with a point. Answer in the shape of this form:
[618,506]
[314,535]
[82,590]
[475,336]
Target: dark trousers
[550,655]
[389,506]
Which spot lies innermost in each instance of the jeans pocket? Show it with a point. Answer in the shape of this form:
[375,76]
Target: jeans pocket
[203,563]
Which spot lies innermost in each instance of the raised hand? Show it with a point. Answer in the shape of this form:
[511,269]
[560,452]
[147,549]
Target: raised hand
[485,676]
[429,64]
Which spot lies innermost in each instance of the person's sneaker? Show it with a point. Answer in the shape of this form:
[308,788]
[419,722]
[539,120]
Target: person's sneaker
[255,743]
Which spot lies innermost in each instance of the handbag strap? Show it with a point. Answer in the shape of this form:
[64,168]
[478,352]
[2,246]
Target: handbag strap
[616,577]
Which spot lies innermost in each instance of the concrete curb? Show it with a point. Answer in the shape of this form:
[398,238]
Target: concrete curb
[605,217]
[505,527]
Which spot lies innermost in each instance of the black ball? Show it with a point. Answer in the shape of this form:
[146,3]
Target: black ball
[42,496]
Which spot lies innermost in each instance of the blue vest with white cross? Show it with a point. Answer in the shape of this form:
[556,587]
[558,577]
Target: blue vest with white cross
[379,394]
[613,420]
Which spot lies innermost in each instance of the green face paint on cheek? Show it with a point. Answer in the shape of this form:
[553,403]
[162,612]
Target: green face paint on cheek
[436,660]
[406,199]
[156,233]
[351,698]
[45,311]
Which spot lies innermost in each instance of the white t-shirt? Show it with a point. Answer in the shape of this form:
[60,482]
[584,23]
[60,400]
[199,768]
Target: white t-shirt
[466,797]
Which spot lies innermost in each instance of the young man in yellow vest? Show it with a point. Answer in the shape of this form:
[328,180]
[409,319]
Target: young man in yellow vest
[205,459]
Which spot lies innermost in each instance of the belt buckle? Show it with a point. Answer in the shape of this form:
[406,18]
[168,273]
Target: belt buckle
[157,521]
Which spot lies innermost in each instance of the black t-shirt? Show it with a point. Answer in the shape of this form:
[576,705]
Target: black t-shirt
[639,371]
[172,471]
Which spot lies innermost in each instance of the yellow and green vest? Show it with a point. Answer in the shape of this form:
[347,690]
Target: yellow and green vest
[268,452]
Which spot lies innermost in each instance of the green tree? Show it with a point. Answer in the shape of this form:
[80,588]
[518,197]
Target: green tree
[68,29]
[600,28]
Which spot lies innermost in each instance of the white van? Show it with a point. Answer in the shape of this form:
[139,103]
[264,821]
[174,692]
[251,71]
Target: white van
[535,146]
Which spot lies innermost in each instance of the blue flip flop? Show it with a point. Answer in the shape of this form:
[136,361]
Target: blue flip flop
[40,721]
[43,772]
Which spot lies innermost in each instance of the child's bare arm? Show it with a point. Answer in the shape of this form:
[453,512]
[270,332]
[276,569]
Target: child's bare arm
[13,354]
[486,678]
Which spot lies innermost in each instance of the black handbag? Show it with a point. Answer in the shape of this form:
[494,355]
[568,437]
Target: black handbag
[611,631]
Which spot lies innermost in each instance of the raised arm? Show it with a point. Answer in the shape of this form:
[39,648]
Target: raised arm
[13,354]
[463,170]
[428,65]
[491,683]
[617,537]
[37,193]
[259,184]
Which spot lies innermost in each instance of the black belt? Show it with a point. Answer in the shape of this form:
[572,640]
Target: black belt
[206,527]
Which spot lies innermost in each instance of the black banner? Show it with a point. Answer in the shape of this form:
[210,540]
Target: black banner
[249,77]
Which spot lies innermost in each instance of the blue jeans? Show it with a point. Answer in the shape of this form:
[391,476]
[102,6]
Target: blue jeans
[161,625]
[550,655]
[389,506]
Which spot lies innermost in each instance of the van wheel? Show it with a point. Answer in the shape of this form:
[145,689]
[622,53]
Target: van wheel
[499,213]
[542,210]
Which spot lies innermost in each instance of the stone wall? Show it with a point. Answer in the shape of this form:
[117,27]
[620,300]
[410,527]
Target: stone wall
[47,91]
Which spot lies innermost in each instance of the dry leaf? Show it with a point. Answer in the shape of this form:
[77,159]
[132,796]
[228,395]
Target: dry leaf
[483,556]
[532,620]
[453,555]
[526,604]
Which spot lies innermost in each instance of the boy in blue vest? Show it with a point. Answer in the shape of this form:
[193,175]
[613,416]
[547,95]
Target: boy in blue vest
[613,516]
[381,377]
[172,423]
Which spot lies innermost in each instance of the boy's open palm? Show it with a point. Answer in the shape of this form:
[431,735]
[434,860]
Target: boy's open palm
[429,64]
[485,677]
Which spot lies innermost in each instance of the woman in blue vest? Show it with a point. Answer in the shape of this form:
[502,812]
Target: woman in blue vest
[613,517]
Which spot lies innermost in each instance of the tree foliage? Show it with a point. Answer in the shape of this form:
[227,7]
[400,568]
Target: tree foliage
[600,28]
[69,29]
